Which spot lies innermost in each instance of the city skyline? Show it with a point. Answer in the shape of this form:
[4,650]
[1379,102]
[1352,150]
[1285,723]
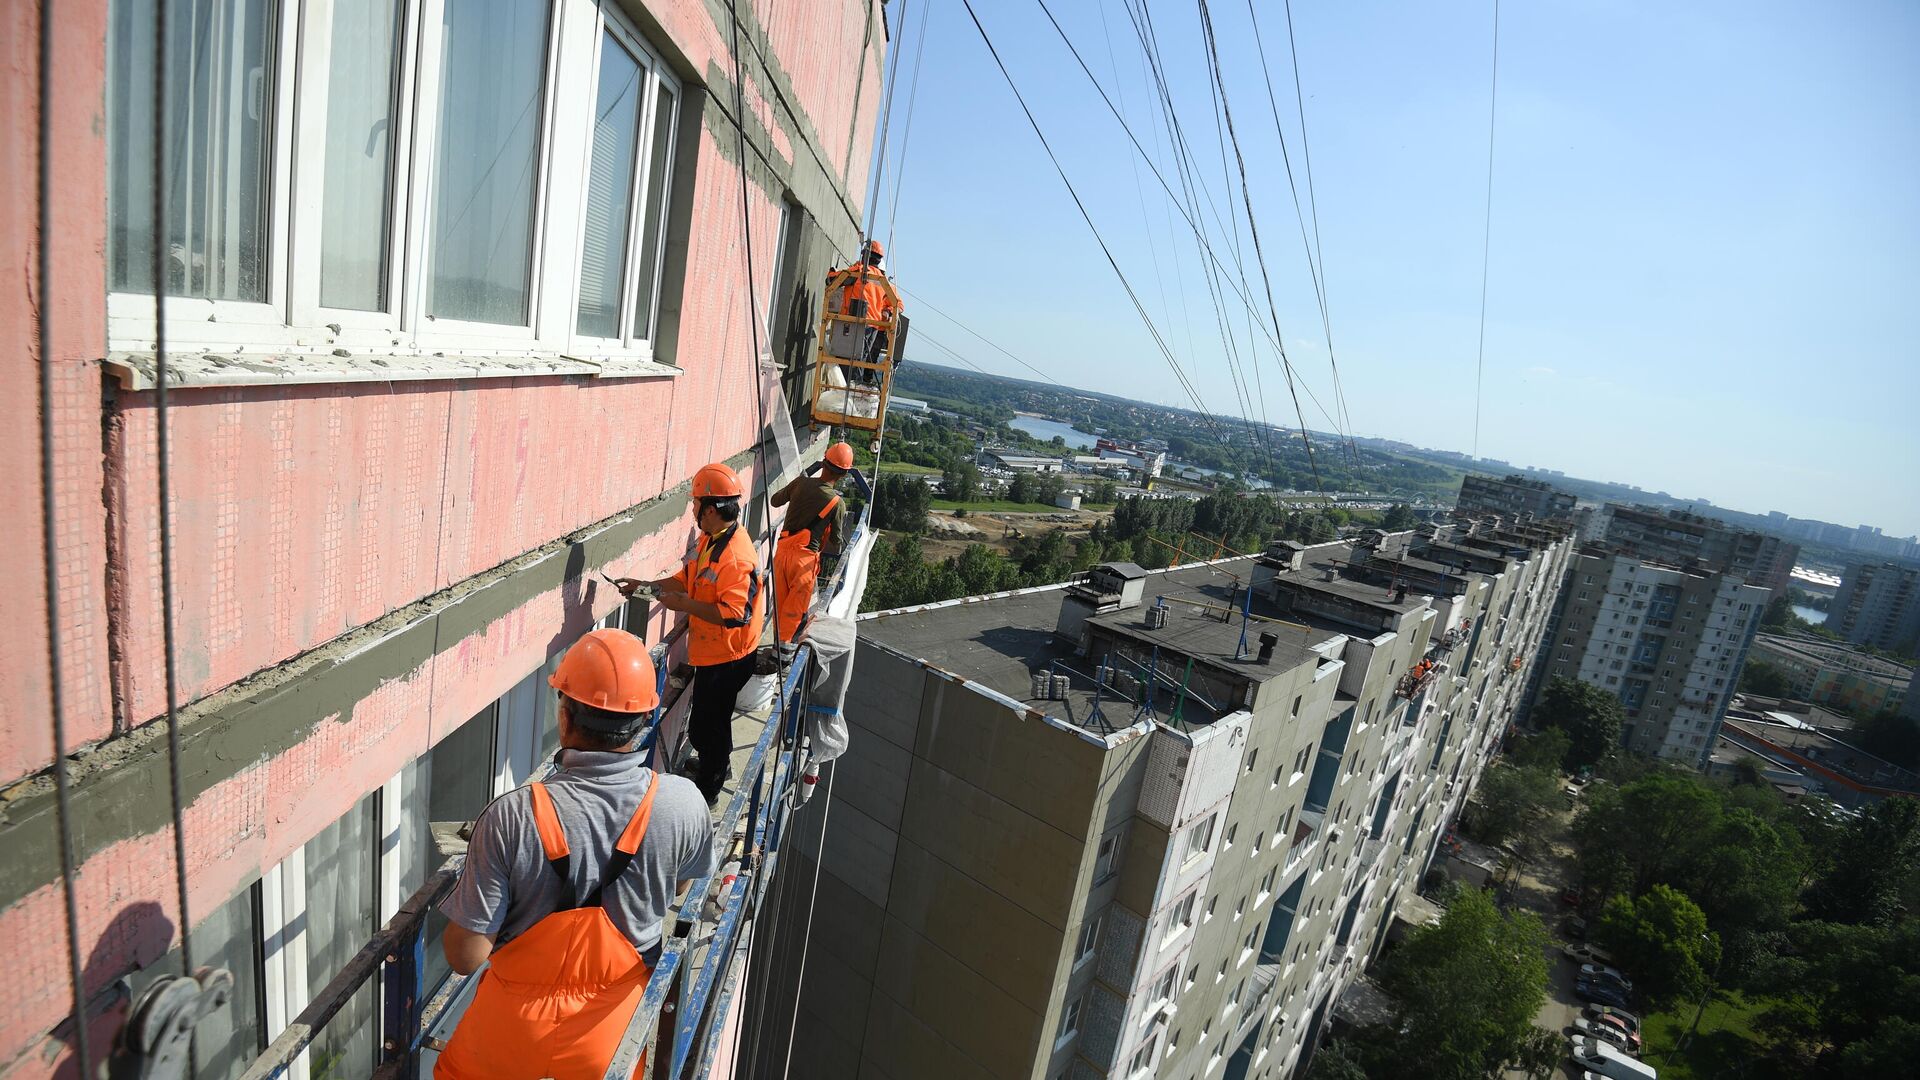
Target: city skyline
[1692,259]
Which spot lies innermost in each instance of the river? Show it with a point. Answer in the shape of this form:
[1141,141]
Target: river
[1812,615]
[1045,430]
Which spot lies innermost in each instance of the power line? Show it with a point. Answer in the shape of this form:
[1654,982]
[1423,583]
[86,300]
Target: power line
[1172,362]
[1253,230]
[1179,140]
[922,302]
[1486,233]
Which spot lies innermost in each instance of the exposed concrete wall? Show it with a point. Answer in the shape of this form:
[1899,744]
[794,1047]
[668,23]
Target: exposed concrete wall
[359,568]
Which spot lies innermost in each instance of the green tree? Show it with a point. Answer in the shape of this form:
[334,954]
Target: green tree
[1104,492]
[961,480]
[1020,488]
[1512,801]
[1767,680]
[1873,856]
[1399,517]
[1590,716]
[1468,989]
[1662,938]
[900,504]
[1546,749]
[1336,1061]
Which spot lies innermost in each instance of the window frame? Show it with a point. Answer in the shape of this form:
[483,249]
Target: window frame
[292,321]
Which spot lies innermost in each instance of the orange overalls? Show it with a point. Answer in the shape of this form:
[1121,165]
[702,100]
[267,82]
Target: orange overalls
[555,1001]
[796,570]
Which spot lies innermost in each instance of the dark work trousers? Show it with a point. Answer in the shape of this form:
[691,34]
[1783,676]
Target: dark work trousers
[710,719]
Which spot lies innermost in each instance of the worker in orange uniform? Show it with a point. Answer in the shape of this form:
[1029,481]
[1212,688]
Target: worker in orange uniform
[864,296]
[814,519]
[719,590]
[567,882]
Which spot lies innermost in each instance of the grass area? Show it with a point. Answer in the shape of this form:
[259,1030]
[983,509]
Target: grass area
[1724,1041]
[910,470]
[996,506]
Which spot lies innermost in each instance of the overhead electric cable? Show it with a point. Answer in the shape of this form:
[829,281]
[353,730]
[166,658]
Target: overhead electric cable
[1253,229]
[1241,291]
[1486,232]
[1132,296]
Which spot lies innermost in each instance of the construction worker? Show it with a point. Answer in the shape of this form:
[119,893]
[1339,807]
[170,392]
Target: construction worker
[865,296]
[719,590]
[814,519]
[567,882]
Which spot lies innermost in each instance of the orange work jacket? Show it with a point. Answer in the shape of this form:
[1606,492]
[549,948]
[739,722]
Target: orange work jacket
[725,573]
[868,288]
[556,1001]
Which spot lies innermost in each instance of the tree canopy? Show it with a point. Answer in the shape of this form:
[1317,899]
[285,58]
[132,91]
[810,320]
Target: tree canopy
[1662,938]
[1590,716]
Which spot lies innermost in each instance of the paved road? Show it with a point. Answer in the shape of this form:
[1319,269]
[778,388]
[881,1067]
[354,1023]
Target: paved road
[1537,889]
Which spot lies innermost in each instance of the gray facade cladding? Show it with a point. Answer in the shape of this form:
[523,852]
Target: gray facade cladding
[1086,884]
[1513,497]
[1668,642]
[1878,604]
[1678,538]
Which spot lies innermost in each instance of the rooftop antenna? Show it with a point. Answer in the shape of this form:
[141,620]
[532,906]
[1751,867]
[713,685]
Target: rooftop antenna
[1246,616]
[1178,719]
[1146,699]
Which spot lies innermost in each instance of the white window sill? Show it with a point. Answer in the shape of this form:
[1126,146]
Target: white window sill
[137,370]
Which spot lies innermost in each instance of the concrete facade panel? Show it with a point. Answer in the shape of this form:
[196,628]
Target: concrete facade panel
[1030,861]
[965,1012]
[1007,944]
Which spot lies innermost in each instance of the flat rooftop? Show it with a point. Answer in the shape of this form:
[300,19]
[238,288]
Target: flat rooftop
[999,641]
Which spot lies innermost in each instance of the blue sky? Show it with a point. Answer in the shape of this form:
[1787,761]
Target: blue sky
[1705,260]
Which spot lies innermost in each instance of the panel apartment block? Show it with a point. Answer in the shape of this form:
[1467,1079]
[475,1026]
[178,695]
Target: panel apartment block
[1668,642]
[1878,604]
[1145,824]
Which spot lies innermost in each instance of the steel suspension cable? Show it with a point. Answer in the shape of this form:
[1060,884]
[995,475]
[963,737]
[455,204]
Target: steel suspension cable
[163,481]
[906,131]
[806,934]
[50,552]
[1486,231]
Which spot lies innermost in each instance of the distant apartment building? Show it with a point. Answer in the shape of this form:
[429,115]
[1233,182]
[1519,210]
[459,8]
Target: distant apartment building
[1827,673]
[1146,823]
[1513,497]
[456,300]
[1668,642]
[1878,604]
[1679,538]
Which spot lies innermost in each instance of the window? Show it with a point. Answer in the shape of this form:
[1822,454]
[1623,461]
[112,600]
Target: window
[1103,862]
[339,918]
[228,1039]
[1258,842]
[1211,901]
[457,173]
[1277,773]
[1231,829]
[1143,1058]
[1198,837]
[1163,990]
[1089,936]
[1182,915]
[220,148]
[1252,756]
[1069,1023]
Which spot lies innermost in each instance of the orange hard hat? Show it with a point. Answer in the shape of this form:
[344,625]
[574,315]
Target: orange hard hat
[840,456]
[608,669]
[716,481]
[874,247]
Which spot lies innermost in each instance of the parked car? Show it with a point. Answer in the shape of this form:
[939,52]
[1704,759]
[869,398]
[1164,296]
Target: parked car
[1603,973]
[1620,1016]
[1608,1061]
[1601,993]
[1586,954]
[1570,897]
[1575,926]
[1633,1043]
[1605,1032]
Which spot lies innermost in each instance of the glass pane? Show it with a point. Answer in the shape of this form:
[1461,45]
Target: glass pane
[657,163]
[218,135]
[492,77]
[616,132]
[453,782]
[340,918]
[362,76]
[228,1040]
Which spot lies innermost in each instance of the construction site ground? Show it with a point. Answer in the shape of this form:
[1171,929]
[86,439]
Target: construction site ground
[949,535]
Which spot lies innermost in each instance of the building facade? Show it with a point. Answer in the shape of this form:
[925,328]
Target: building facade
[1513,496]
[1826,673]
[1679,538]
[1145,824]
[1668,642]
[1878,604]
[457,299]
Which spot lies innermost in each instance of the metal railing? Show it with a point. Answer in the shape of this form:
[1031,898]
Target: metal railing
[682,1016]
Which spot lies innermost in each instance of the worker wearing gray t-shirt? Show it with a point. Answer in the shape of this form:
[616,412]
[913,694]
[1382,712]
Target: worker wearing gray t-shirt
[567,881]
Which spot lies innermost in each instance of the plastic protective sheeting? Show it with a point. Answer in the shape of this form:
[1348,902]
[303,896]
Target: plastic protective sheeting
[779,421]
[832,635]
